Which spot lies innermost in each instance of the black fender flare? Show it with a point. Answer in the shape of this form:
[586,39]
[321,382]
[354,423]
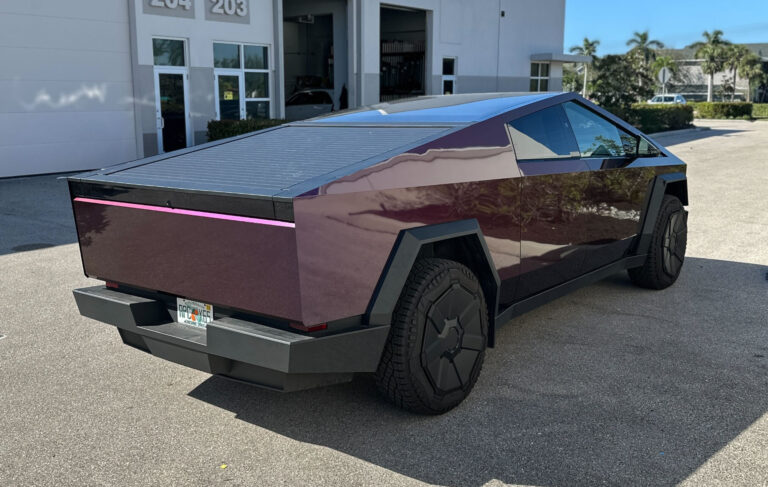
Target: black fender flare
[675,184]
[413,243]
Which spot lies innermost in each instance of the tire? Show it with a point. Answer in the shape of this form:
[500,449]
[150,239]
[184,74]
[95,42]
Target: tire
[667,250]
[437,340]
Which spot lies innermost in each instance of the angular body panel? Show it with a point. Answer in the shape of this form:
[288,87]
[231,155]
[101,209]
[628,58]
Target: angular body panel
[235,263]
[300,227]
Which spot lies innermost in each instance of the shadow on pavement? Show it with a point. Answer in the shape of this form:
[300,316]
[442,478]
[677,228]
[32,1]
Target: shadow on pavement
[35,213]
[612,384]
[666,139]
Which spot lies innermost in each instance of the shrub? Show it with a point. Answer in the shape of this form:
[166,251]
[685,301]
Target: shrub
[760,110]
[656,118]
[222,129]
[723,110]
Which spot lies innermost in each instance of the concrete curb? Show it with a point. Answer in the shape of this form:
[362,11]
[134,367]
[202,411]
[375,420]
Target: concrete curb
[681,131]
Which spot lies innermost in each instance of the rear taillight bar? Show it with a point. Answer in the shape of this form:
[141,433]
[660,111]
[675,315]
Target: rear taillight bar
[179,211]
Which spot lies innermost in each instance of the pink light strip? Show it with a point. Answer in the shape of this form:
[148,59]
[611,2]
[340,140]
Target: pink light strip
[203,214]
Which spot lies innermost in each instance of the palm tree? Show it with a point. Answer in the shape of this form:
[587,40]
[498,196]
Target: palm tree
[711,53]
[644,47]
[733,56]
[750,68]
[588,48]
[664,62]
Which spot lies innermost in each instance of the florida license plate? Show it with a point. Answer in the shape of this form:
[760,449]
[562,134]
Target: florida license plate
[193,313]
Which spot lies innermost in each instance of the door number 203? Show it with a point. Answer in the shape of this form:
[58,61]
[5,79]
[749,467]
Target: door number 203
[230,7]
[186,4]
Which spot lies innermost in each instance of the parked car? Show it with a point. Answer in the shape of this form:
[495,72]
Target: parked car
[393,240]
[667,99]
[309,103]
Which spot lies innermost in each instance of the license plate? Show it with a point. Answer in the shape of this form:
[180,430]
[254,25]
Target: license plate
[193,313]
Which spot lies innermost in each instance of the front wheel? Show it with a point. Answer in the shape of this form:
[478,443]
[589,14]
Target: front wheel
[437,341]
[667,250]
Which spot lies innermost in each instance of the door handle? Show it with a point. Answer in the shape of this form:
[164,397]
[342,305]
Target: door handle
[162,123]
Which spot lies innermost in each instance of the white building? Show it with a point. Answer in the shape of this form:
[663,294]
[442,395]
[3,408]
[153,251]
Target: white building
[91,83]
[692,82]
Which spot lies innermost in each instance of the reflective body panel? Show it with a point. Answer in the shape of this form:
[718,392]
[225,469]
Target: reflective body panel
[544,221]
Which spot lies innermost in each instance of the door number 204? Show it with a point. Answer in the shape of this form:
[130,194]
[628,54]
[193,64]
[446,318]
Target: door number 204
[230,7]
[185,4]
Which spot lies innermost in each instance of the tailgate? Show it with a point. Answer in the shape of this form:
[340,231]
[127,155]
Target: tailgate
[223,259]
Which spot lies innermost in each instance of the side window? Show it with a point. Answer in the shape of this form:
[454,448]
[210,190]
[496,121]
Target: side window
[646,149]
[321,98]
[596,136]
[299,99]
[545,134]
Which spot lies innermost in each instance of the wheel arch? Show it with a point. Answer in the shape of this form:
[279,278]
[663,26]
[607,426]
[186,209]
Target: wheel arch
[674,184]
[679,189]
[461,241]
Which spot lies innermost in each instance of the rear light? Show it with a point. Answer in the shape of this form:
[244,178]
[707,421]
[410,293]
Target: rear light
[111,285]
[299,326]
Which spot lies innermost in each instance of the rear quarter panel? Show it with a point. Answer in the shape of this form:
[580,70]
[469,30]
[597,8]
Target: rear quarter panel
[347,230]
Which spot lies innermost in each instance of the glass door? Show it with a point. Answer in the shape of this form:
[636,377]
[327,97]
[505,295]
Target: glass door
[229,95]
[171,94]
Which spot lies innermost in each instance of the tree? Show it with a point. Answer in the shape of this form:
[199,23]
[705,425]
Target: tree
[588,48]
[644,47]
[750,68]
[711,52]
[571,79]
[665,62]
[619,82]
[733,57]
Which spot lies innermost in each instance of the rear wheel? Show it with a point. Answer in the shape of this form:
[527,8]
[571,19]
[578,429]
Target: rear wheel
[437,341]
[667,250]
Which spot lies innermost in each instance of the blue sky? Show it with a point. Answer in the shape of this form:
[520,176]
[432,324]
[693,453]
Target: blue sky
[676,23]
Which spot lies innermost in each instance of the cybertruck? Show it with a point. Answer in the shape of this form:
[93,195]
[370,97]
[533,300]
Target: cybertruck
[391,240]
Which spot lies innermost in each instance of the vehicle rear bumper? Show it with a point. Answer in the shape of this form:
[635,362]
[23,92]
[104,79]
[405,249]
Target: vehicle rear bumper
[236,348]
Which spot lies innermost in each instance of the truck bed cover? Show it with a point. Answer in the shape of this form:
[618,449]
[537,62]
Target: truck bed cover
[273,162]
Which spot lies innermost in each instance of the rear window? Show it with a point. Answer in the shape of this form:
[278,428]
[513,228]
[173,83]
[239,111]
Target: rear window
[545,134]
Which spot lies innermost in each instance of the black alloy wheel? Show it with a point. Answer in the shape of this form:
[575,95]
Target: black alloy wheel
[666,253]
[438,338]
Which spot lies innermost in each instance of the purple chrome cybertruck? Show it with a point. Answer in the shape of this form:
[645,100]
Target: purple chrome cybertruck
[391,239]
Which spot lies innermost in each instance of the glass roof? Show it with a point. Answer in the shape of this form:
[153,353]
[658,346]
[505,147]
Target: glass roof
[436,109]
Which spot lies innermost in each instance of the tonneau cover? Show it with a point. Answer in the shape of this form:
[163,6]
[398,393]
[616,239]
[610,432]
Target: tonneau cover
[270,162]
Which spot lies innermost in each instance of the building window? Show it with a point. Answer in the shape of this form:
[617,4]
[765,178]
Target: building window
[169,52]
[449,75]
[539,77]
[242,89]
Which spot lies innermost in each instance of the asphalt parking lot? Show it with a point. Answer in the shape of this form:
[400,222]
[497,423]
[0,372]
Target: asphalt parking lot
[610,385]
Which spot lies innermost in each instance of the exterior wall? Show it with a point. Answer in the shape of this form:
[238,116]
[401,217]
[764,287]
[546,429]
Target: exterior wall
[77,86]
[200,33]
[493,52]
[65,86]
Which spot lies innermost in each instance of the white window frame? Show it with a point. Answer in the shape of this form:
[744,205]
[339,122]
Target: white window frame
[449,77]
[240,72]
[539,77]
[182,70]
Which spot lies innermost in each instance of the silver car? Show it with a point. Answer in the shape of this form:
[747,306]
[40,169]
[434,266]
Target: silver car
[667,99]
[308,103]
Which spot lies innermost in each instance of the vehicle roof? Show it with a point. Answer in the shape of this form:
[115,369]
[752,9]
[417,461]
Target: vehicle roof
[310,90]
[288,160]
[457,109]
